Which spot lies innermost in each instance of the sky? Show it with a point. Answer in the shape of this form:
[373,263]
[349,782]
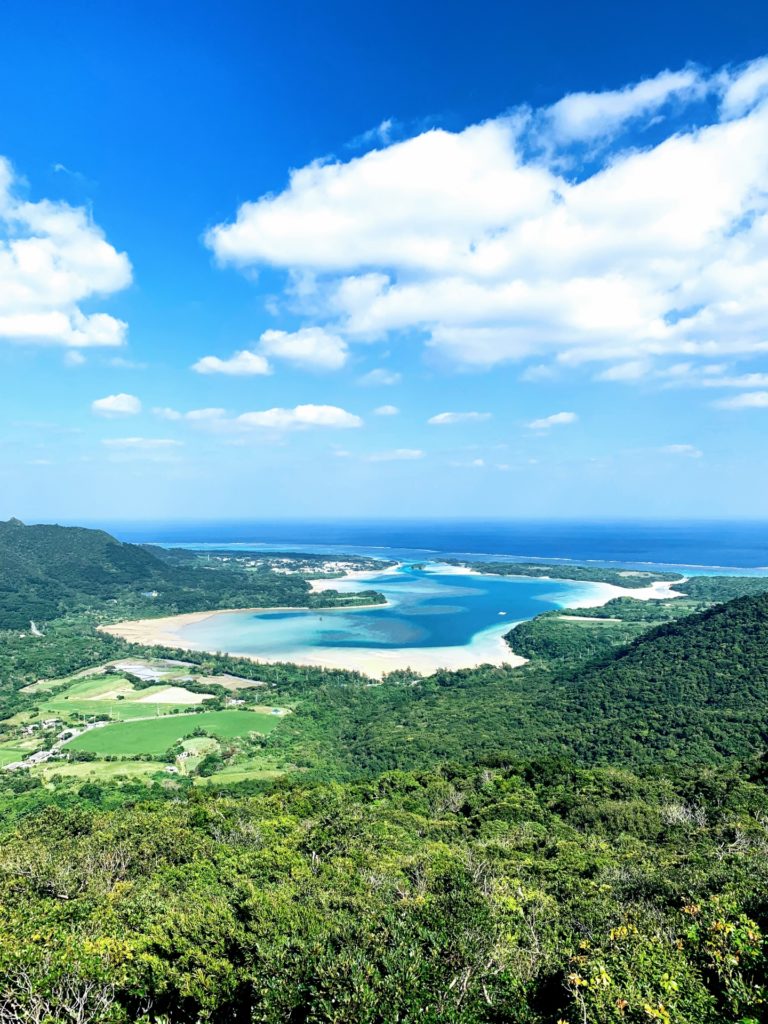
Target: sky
[488,260]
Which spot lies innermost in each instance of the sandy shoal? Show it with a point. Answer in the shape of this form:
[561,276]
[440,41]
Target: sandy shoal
[600,593]
[353,576]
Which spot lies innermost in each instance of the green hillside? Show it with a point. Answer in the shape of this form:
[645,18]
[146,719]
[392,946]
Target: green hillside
[47,571]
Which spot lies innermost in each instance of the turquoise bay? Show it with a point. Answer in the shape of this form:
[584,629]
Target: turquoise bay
[434,616]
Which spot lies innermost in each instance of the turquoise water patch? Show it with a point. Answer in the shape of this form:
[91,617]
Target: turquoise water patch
[427,608]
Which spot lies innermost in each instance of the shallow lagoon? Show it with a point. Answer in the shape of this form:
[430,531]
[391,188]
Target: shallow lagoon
[428,608]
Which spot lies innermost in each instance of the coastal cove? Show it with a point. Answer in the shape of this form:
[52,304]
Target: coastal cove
[436,616]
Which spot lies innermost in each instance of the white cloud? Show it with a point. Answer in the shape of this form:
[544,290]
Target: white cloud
[689,451]
[53,258]
[300,416]
[141,443]
[586,116]
[241,364]
[634,369]
[193,416]
[376,378]
[749,400]
[312,347]
[479,242]
[386,410]
[398,455]
[745,88]
[555,420]
[116,405]
[443,419]
[720,380]
[382,133]
[74,358]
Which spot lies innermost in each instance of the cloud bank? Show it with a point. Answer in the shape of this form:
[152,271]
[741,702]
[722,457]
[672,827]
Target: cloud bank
[623,227]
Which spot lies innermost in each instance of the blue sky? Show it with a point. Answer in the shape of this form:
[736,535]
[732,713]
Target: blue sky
[319,260]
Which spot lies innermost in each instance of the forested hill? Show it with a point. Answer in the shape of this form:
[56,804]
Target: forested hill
[48,571]
[693,692]
[45,569]
[698,687]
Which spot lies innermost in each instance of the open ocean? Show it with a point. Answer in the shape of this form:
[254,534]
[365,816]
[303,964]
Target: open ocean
[723,545]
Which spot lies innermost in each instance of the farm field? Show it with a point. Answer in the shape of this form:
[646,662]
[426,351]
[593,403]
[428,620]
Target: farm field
[9,754]
[230,682]
[115,695]
[154,736]
[98,771]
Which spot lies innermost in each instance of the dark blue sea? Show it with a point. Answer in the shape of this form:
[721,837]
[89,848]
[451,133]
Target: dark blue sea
[720,545]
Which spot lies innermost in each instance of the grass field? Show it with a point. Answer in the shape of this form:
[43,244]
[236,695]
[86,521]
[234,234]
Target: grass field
[99,771]
[9,754]
[156,735]
[97,695]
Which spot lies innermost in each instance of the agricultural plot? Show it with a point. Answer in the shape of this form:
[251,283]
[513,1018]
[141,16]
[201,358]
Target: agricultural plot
[230,682]
[10,754]
[115,695]
[99,771]
[155,736]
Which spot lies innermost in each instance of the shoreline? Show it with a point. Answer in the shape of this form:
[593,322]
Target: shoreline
[488,647]
[353,576]
[660,590]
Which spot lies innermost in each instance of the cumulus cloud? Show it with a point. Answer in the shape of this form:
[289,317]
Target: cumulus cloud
[300,416]
[501,242]
[386,410]
[689,451]
[116,405]
[397,455]
[380,378]
[53,258]
[311,347]
[557,419]
[241,364]
[749,400]
[443,419]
